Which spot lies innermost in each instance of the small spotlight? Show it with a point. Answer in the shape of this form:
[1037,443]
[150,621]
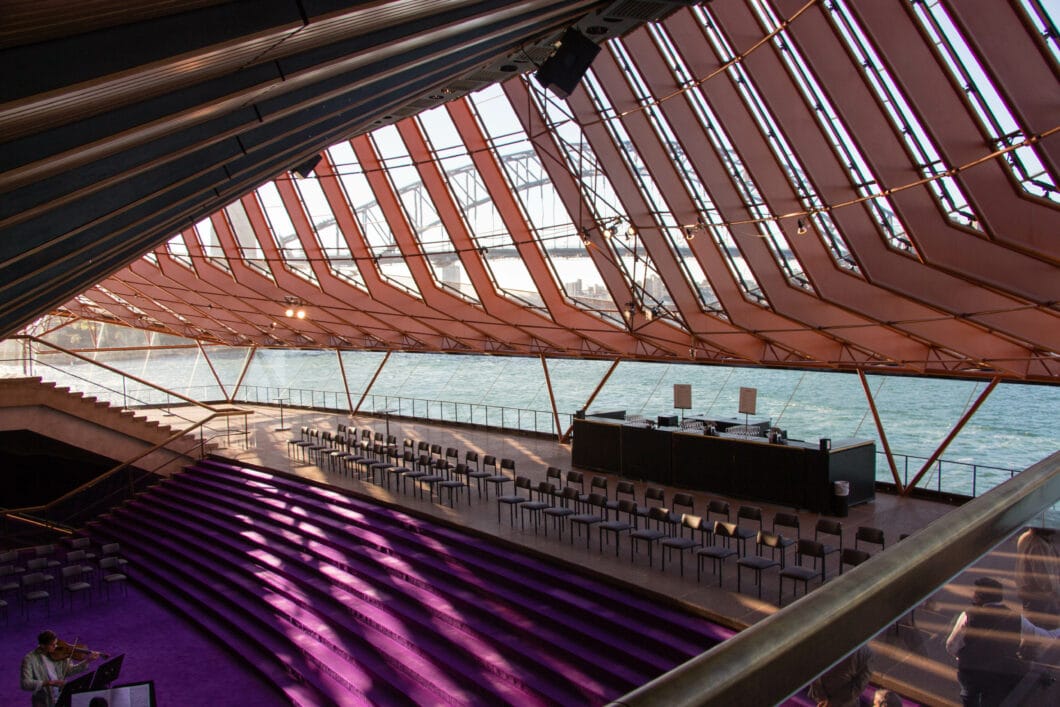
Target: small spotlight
[608,232]
[631,231]
[690,232]
[801,227]
[586,239]
[289,313]
[300,314]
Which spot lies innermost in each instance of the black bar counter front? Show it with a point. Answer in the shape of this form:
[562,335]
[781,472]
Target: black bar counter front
[795,474]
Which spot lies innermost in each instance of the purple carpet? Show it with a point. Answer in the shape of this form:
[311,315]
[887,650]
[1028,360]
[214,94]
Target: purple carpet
[330,599]
[187,666]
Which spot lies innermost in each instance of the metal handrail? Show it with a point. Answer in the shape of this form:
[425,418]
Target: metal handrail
[774,658]
[23,514]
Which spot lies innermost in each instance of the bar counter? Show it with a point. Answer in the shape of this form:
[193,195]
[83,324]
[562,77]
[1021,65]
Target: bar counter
[796,474]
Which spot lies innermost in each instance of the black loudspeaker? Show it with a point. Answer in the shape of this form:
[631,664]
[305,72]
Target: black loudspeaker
[562,71]
[306,168]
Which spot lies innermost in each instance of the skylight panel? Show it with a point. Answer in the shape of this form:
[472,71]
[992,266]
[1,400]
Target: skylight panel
[989,106]
[211,245]
[420,213]
[370,219]
[541,206]
[178,249]
[282,229]
[944,188]
[326,231]
[250,249]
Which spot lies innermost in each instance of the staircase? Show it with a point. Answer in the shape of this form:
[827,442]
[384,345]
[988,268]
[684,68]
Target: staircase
[338,601]
[94,425]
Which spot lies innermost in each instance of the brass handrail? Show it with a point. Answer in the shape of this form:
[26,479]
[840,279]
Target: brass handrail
[774,658]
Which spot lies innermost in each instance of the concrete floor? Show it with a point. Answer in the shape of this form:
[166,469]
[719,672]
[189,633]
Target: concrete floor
[911,658]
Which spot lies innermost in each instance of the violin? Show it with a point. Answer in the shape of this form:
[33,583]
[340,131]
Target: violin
[71,651]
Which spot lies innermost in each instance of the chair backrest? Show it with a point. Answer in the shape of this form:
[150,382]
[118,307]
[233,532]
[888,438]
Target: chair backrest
[110,563]
[453,454]
[409,443]
[489,463]
[750,513]
[597,499]
[828,527]
[74,571]
[654,496]
[378,437]
[31,579]
[436,450]
[809,548]
[43,550]
[766,539]
[692,522]
[684,500]
[391,440]
[460,469]
[471,458]
[867,534]
[407,456]
[628,507]
[569,493]
[423,447]
[724,529]
[659,514]
[786,520]
[81,543]
[544,488]
[599,482]
[110,549]
[508,464]
[37,563]
[75,556]
[718,507]
[853,557]
[523,482]
[554,472]
[576,478]
[625,489]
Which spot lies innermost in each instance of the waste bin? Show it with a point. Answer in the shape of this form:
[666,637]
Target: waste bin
[841,499]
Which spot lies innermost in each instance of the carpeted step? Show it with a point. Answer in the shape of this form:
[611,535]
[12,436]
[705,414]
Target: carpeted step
[272,660]
[362,631]
[508,654]
[336,681]
[536,579]
[575,632]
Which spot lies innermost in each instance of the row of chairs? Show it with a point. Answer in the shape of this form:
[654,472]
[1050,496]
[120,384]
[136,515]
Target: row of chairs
[378,458]
[33,576]
[712,537]
[573,502]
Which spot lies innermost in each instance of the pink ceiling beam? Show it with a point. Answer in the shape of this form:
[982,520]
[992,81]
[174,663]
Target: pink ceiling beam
[470,324]
[1019,64]
[505,310]
[815,154]
[940,242]
[601,336]
[787,300]
[392,306]
[1011,218]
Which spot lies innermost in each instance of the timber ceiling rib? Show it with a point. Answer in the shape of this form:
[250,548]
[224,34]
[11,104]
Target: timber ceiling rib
[831,185]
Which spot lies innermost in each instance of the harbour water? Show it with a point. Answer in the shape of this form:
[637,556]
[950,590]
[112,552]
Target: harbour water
[1014,427]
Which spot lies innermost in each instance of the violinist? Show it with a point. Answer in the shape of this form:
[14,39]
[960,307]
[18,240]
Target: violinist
[46,668]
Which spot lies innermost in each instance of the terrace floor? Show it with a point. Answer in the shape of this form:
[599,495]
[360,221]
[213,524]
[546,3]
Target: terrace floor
[911,658]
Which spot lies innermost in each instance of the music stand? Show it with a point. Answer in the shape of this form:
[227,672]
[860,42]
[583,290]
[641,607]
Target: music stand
[107,673]
[79,684]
